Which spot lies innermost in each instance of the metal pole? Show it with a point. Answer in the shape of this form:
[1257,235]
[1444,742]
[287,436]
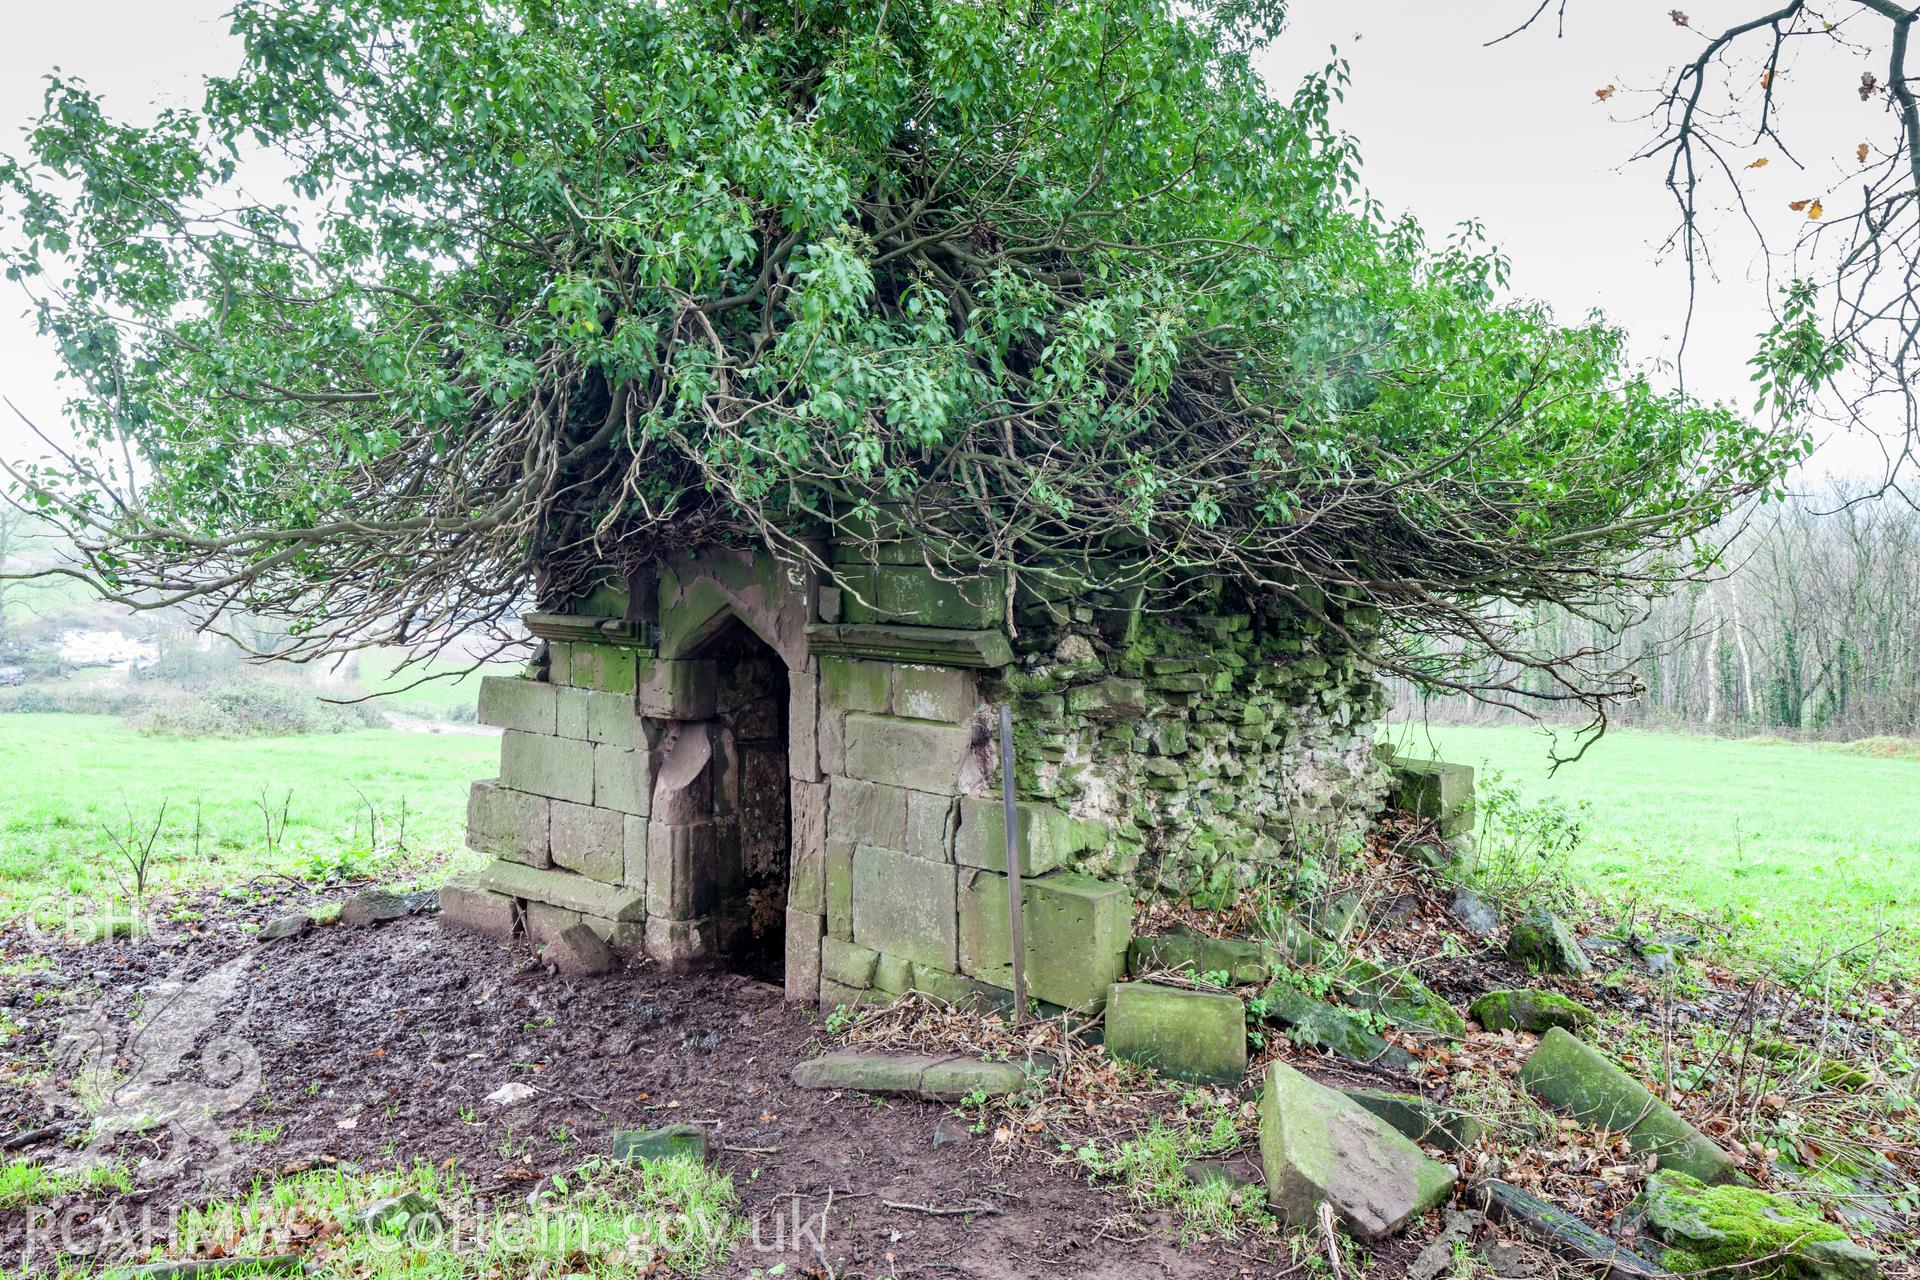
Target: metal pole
[1016,930]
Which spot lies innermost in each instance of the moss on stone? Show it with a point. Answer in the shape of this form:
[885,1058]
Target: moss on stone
[1731,1228]
[1533,1011]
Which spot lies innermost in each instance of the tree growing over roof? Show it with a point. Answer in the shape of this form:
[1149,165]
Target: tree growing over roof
[1066,288]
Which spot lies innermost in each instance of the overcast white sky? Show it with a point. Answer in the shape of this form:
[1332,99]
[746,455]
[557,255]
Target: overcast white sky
[1512,135]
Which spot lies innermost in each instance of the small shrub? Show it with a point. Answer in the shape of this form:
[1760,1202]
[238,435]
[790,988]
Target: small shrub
[1525,849]
[255,709]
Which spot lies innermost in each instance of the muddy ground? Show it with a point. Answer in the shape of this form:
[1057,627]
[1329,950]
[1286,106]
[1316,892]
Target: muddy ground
[380,1046]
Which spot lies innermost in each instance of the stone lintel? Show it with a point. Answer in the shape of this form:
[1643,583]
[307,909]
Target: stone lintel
[567,627]
[927,646]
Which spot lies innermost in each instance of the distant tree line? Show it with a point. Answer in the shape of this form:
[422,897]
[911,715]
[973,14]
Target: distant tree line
[1813,627]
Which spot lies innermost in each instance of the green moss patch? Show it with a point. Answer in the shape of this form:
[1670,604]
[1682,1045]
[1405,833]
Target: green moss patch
[1742,1229]
[1534,1011]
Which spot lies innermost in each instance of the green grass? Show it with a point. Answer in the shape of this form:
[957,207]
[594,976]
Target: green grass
[1151,1166]
[71,779]
[1803,847]
[24,1182]
[604,1219]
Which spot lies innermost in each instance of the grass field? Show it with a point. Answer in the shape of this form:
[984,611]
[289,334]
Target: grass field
[1808,846]
[73,782]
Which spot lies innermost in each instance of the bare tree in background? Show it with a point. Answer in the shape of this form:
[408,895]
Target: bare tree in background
[1854,259]
[1812,630]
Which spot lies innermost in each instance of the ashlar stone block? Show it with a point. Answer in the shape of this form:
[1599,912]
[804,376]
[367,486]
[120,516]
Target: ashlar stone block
[849,684]
[1187,1034]
[867,813]
[848,963]
[946,694]
[805,930]
[558,768]
[528,706]
[608,668]
[905,906]
[839,889]
[916,754]
[633,848]
[1077,932]
[505,823]
[680,689]
[590,841]
[680,870]
[622,779]
[1046,837]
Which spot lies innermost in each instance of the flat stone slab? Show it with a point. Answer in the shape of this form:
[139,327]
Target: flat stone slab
[1577,1079]
[275,1264]
[379,906]
[933,1077]
[1319,1146]
[1199,1036]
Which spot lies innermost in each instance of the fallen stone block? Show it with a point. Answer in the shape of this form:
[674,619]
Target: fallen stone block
[381,906]
[1319,1146]
[1430,1123]
[1474,913]
[1564,1234]
[1199,1036]
[672,1142]
[1241,960]
[1077,931]
[1399,997]
[1434,789]
[1333,1029]
[917,1075]
[579,951]
[1533,1011]
[1576,1079]
[283,927]
[1746,1231]
[1542,942]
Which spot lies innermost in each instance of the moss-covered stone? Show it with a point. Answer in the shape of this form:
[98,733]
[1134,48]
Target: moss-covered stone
[1401,998]
[1745,1231]
[1241,961]
[1336,1030]
[1528,1010]
[1577,1079]
[1187,1034]
[1319,1147]
[1541,941]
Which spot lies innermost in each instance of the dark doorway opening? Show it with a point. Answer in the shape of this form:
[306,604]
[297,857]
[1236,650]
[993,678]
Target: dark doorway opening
[752,825]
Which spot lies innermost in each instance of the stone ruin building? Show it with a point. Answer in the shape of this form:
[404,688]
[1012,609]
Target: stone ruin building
[736,761]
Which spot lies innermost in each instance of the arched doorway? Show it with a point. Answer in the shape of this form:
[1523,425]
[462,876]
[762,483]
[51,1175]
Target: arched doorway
[751,820]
